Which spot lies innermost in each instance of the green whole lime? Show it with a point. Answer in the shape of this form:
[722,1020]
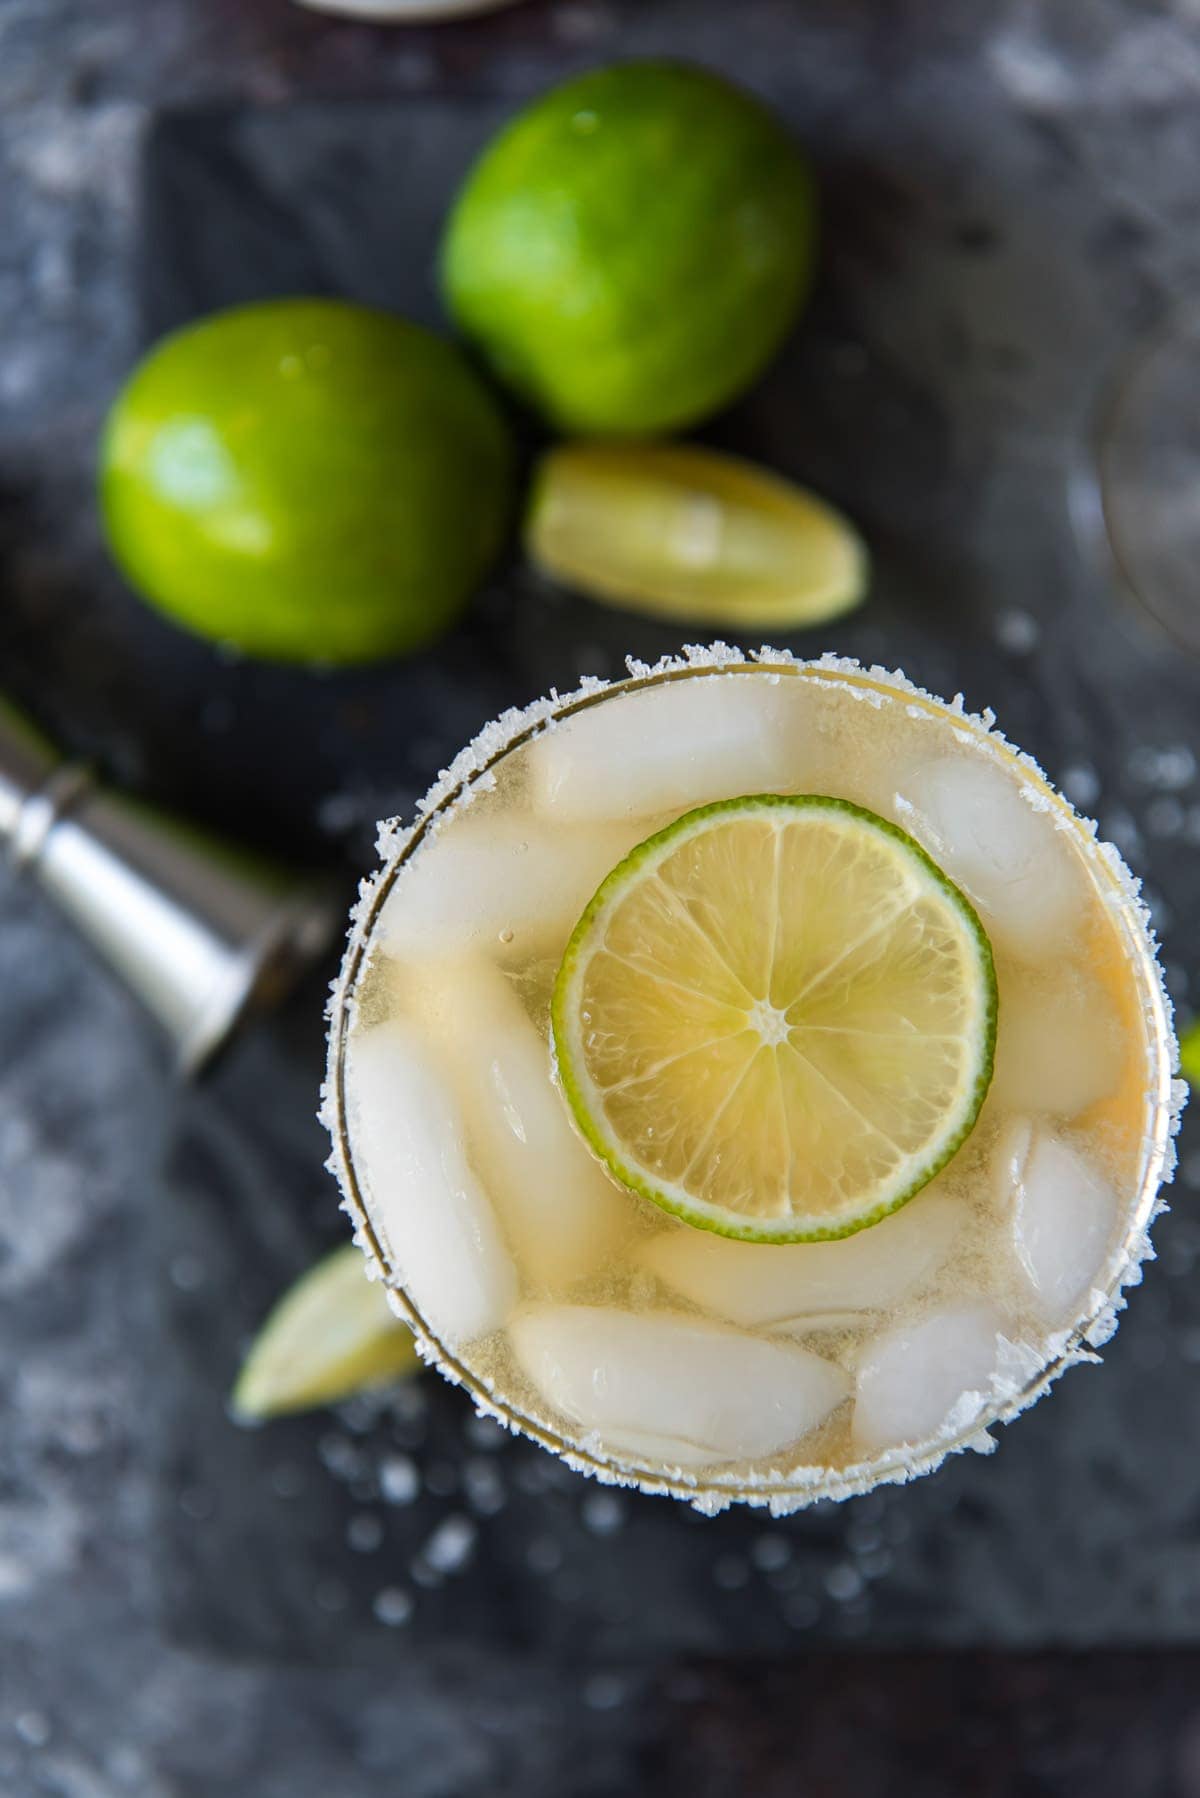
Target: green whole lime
[630,251]
[307,481]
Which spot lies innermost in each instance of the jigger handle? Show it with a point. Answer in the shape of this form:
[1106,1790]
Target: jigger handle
[202,933]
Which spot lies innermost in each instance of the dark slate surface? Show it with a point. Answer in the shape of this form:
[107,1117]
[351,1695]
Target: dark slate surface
[190,1610]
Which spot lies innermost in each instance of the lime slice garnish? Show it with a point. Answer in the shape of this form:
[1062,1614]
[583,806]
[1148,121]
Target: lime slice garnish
[776,1018]
[332,1334]
[686,533]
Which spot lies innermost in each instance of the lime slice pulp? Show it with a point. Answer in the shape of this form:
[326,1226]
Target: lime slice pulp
[776,1018]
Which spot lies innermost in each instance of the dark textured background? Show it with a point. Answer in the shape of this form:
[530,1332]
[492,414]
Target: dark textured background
[186,1610]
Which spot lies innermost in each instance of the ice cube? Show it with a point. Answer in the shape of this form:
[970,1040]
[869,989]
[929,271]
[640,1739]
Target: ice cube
[498,882]
[1058,1044]
[673,1389]
[562,1212]
[920,1380]
[678,744]
[799,1287]
[984,831]
[1064,1215]
[437,1228]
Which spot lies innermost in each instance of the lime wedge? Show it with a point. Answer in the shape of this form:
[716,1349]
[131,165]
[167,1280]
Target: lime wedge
[332,1334]
[685,533]
[1189,1056]
[776,1019]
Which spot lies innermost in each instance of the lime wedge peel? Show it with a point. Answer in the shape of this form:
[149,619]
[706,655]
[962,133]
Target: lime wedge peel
[776,1019]
[1189,1055]
[330,1336]
[684,533]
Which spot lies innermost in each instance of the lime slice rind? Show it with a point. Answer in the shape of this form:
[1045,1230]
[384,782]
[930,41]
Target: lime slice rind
[916,1169]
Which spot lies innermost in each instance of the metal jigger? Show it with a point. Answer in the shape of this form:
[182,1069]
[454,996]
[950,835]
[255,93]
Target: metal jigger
[201,933]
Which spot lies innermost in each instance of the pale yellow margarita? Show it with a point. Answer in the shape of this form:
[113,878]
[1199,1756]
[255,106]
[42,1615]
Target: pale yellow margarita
[639,1345]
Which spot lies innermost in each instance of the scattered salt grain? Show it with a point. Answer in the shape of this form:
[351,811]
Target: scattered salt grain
[603,1513]
[408,1403]
[361,1413]
[580,25]
[483,1487]
[187,1273]
[288,1480]
[1169,769]
[1017,632]
[1165,817]
[393,1606]
[843,1582]
[130,1768]
[730,1573]
[339,812]
[603,1692]
[344,1459]
[451,1545]
[544,1555]
[530,1477]
[862,1535]
[399,1481]
[364,1533]
[1081,784]
[408,1432]
[770,1553]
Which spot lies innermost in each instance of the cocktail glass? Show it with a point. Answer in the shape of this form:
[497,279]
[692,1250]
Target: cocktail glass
[595,1339]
